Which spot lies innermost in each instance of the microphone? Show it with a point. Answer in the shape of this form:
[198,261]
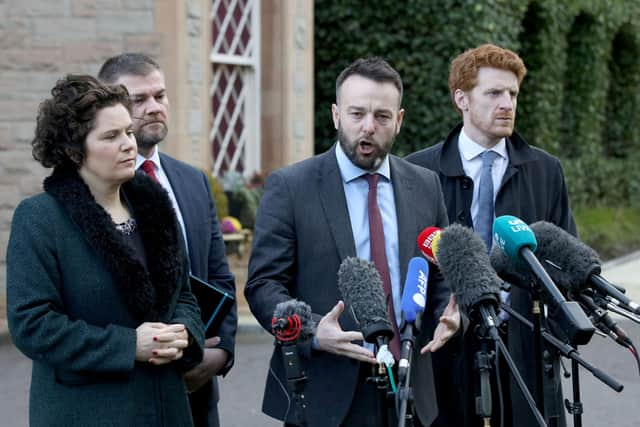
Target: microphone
[292,321]
[514,273]
[465,265]
[361,287]
[518,242]
[414,299]
[570,262]
[606,302]
[598,315]
[576,264]
[604,322]
[428,241]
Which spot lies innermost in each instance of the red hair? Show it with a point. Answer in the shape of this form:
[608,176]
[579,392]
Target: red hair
[463,73]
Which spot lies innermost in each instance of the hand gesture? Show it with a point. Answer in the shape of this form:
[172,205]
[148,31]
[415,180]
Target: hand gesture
[447,327]
[333,339]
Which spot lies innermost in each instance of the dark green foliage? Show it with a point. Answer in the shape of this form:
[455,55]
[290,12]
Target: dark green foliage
[580,99]
[622,137]
[583,107]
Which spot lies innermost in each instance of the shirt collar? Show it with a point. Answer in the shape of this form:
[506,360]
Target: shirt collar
[155,158]
[469,149]
[349,171]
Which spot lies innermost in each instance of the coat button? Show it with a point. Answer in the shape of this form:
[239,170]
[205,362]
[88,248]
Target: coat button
[462,217]
[466,183]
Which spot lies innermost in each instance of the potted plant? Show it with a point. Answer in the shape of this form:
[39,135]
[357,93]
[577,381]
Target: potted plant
[243,195]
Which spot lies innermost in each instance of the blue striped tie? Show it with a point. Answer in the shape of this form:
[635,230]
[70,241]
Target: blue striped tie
[484,219]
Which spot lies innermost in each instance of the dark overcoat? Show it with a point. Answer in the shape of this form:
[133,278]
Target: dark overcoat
[302,234]
[76,292]
[533,189]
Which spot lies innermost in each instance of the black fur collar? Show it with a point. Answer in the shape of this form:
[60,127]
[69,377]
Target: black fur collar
[147,293]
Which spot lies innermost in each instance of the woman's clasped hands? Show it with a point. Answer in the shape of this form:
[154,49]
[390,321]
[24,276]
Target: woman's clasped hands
[159,343]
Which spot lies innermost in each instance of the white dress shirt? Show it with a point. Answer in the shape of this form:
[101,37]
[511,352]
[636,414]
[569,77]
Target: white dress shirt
[470,152]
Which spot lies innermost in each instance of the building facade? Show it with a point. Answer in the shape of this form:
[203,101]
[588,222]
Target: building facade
[239,75]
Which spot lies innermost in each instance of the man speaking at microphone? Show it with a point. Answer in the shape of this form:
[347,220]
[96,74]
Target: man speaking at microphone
[487,170]
[354,200]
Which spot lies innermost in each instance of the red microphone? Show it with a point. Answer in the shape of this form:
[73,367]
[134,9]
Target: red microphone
[428,243]
[287,328]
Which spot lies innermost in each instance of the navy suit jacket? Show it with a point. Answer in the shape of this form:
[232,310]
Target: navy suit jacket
[206,248]
[302,233]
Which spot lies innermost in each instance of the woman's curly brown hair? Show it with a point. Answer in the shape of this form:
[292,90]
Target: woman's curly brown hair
[65,119]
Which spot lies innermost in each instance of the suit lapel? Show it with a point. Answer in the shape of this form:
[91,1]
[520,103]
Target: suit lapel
[403,190]
[177,180]
[334,205]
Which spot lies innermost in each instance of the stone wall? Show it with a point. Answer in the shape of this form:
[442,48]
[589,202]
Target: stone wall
[41,41]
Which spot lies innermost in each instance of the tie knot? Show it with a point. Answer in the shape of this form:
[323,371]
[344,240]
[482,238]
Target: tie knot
[372,180]
[488,157]
[148,167]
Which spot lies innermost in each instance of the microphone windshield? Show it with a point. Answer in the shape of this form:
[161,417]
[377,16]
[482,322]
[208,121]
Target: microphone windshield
[361,287]
[428,243]
[287,309]
[512,234]
[514,273]
[576,261]
[414,295]
[465,265]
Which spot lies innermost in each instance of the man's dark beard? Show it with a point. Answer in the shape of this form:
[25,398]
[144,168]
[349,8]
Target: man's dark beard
[146,141]
[350,150]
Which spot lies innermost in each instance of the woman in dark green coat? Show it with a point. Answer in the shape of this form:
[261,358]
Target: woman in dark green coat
[97,283]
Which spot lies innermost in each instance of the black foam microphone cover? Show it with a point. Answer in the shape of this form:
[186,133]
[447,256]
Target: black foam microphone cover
[576,261]
[361,287]
[465,265]
[291,307]
[514,273]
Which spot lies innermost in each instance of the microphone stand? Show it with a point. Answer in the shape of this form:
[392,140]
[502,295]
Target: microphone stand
[482,363]
[379,334]
[487,316]
[575,407]
[536,311]
[381,380]
[405,392]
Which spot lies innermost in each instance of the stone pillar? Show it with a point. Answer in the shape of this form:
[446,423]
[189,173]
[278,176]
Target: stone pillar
[287,82]
[184,57]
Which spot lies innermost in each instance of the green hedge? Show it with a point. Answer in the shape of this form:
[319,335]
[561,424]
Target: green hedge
[610,231]
[580,99]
